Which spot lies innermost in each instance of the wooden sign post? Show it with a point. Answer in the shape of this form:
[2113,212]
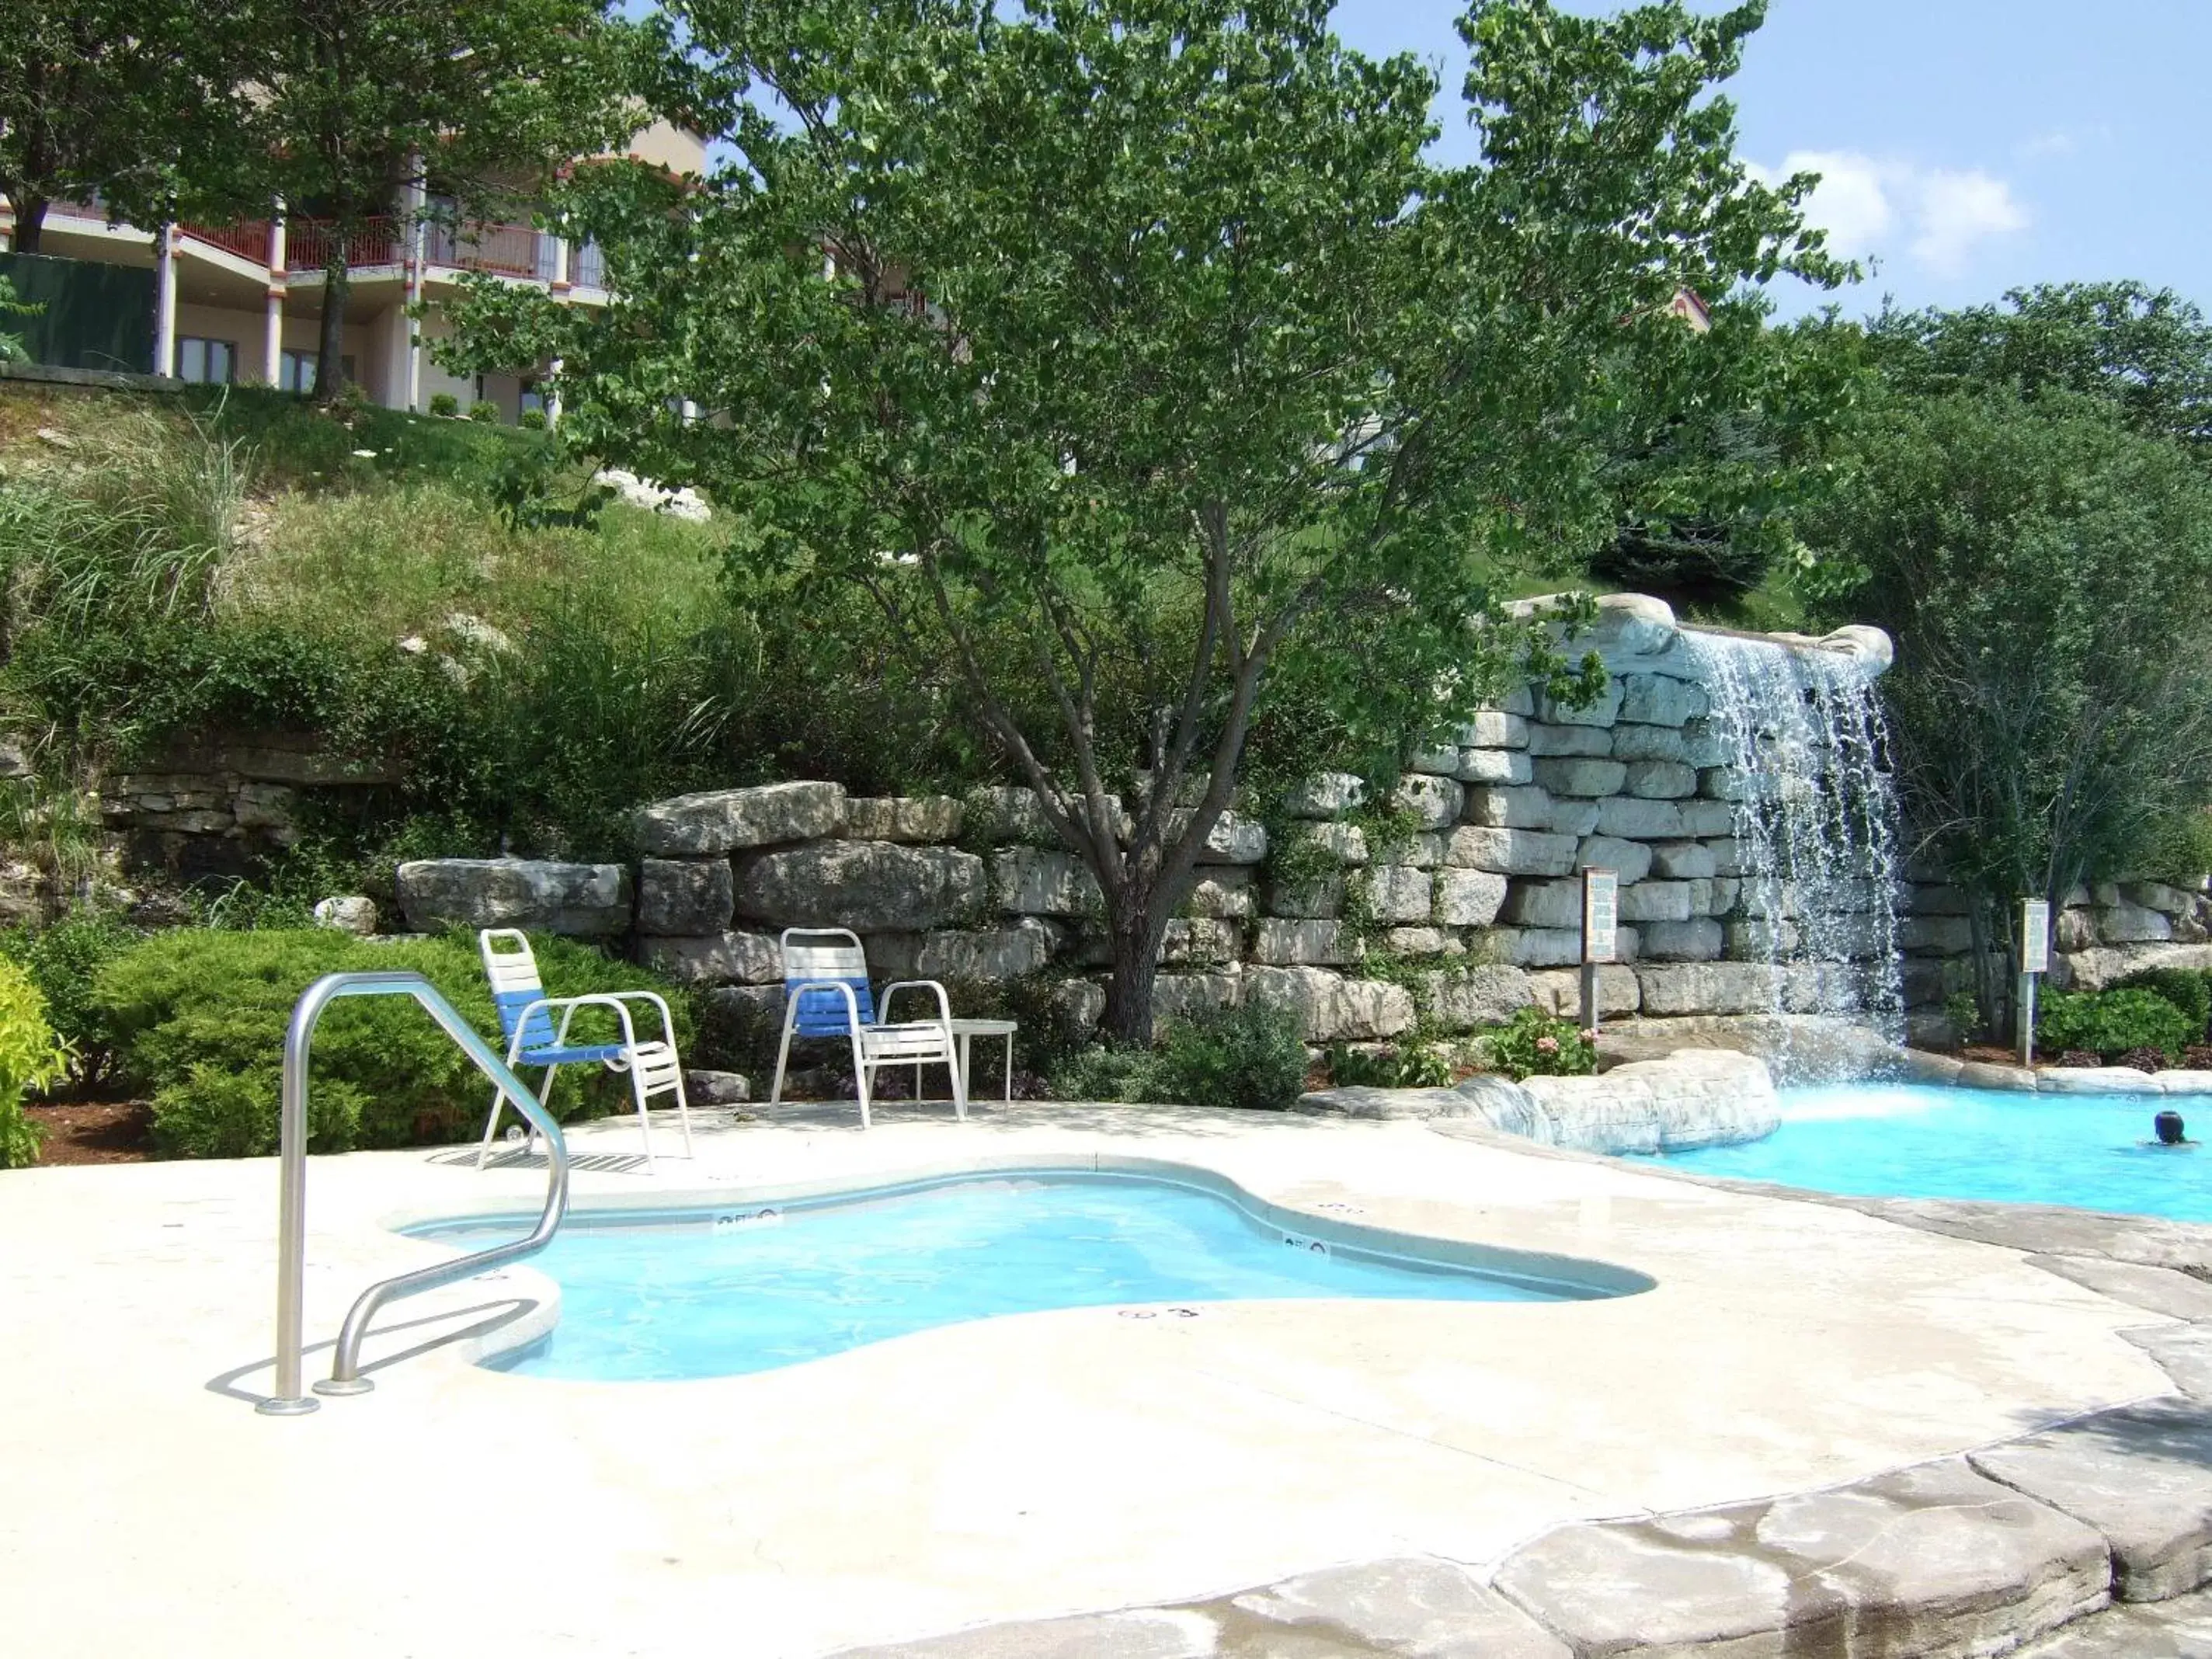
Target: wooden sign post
[1601,925]
[2034,959]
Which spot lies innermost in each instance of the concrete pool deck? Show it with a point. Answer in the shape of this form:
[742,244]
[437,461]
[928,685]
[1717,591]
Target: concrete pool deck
[1015,1469]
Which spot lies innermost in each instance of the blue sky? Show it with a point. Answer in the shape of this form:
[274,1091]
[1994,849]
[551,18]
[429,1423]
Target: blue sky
[1970,146]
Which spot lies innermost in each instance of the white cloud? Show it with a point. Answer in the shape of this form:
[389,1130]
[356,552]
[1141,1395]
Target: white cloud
[1942,216]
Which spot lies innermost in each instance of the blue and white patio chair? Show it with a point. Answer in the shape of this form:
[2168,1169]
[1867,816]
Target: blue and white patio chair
[825,995]
[527,1020]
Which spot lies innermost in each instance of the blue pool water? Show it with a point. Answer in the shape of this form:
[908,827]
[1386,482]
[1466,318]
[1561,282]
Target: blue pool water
[716,1293]
[1907,1141]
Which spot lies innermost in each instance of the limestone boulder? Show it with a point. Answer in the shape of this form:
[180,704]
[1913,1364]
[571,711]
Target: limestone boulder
[1330,1007]
[353,914]
[1583,775]
[1544,904]
[1235,839]
[1467,898]
[1178,996]
[2133,924]
[919,819]
[1683,860]
[1325,795]
[1604,710]
[1698,939]
[1509,852]
[1434,802]
[1707,817]
[1630,860]
[1528,807]
[1559,991]
[1494,729]
[1642,820]
[1495,766]
[867,886]
[1654,780]
[1041,881]
[1399,892]
[1201,942]
[1281,942]
[1708,987]
[727,958]
[1556,947]
[1655,900]
[1422,942]
[1588,741]
[1572,817]
[715,822]
[997,953]
[1474,996]
[1321,895]
[1660,699]
[694,896]
[585,900]
[1224,890]
[1633,742]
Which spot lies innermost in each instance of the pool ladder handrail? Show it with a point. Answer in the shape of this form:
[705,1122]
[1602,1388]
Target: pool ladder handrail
[345,1377]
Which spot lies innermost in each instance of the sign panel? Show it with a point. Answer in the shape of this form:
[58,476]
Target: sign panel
[2034,936]
[1600,914]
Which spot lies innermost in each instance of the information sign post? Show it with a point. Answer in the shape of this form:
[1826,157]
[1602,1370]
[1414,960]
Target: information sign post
[1600,926]
[2034,959]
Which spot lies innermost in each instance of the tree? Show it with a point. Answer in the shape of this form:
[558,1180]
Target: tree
[2147,352]
[1133,359]
[360,97]
[2045,571]
[102,98]
[12,349]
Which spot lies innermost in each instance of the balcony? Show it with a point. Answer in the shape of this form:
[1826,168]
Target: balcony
[502,250]
[308,243]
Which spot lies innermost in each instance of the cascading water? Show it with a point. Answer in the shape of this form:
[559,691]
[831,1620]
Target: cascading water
[1800,734]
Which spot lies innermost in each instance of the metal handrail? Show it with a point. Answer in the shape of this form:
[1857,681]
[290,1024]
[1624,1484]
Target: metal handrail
[345,1376]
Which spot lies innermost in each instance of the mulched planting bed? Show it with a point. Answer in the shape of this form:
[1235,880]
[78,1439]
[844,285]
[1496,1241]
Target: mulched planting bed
[102,1132]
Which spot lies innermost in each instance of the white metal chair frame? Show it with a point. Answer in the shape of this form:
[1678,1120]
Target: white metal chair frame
[654,1066]
[877,1040]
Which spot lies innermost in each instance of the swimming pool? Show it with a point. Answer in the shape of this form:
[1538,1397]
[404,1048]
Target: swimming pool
[717,1292]
[1924,1140]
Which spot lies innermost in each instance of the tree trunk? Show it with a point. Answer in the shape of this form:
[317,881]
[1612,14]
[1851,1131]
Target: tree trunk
[30,222]
[1137,931]
[330,347]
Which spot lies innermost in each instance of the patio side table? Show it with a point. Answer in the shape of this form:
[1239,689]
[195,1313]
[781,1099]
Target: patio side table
[965,1031]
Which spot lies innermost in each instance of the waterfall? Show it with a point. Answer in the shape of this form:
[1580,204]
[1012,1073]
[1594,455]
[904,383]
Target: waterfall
[1801,737]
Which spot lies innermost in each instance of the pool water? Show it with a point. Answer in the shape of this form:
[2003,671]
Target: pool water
[721,1292]
[1917,1140]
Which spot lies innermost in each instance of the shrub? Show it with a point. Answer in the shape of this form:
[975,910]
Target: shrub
[198,1016]
[532,420]
[2187,988]
[2110,1023]
[1534,1044]
[445,404]
[1406,1065]
[31,1057]
[1250,1058]
[63,960]
[485,410]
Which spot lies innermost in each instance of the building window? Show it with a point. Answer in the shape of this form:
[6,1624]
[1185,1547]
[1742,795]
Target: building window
[297,371]
[206,363]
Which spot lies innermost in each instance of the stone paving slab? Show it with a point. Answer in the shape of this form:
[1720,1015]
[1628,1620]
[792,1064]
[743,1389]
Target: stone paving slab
[1150,1633]
[1933,1560]
[1422,1608]
[2183,1351]
[2141,1474]
[2156,1290]
[2160,1630]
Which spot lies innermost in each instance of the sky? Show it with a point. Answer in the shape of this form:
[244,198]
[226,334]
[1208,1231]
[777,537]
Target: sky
[1965,146]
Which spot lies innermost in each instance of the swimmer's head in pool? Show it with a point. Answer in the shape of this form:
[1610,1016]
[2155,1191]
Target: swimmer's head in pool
[2171,1131]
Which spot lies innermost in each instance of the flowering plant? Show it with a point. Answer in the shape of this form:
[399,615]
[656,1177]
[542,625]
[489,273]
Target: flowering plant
[1534,1044]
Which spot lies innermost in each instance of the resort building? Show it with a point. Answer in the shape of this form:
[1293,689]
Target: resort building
[244,301]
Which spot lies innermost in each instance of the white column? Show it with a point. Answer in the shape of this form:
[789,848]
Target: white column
[552,397]
[416,198]
[272,336]
[165,300]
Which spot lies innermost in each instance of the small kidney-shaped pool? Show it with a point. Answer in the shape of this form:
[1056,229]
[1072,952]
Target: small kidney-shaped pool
[668,1294]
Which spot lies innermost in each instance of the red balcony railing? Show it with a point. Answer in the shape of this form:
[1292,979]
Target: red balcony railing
[308,244]
[247,240]
[505,250]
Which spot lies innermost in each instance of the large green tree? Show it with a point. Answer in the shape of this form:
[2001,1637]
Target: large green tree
[2044,570]
[486,98]
[1131,356]
[111,98]
[2146,352]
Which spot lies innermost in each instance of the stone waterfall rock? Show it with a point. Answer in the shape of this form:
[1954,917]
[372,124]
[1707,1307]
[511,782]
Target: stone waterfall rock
[867,886]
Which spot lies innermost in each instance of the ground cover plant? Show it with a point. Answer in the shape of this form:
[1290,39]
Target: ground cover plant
[2112,1024]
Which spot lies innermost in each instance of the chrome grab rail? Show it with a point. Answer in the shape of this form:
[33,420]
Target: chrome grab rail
[345,1376]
